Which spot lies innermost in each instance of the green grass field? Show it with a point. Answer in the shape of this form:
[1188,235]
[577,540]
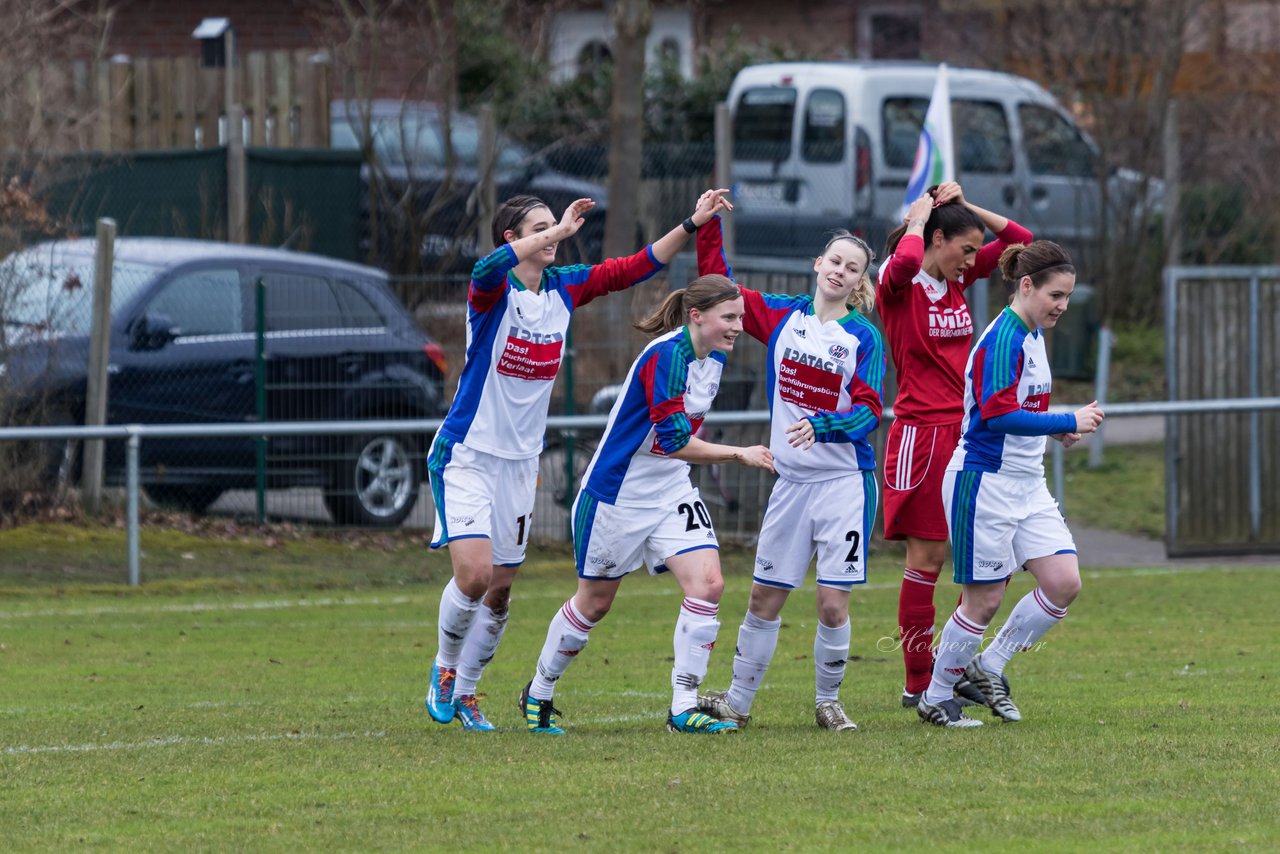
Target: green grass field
[281,715]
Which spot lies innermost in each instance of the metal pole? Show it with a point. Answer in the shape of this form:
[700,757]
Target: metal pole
[132,446]
[1100,382]
[724,169]
[1255,417]
[260,393]
[1171,422]
[95,410]
[979,305]
[570,436]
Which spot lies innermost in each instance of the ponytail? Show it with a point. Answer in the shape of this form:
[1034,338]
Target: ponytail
[702,293]
[1039,259]
[950,218]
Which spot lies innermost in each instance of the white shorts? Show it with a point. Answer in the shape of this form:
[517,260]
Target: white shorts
[999,522]
[480,495]
[610,541]
[831,518]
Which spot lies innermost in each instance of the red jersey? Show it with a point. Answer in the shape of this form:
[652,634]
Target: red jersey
[929,328]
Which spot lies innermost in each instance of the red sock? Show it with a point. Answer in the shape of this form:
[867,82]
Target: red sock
[915,626]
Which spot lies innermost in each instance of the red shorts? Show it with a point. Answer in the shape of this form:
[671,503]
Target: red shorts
[915,458]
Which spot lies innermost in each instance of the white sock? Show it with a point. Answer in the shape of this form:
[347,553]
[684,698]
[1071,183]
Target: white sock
[960,640]
[566,637]
[696,630]
[457,613]
[757,639]
[830,652]
[479,649]
[1031,619]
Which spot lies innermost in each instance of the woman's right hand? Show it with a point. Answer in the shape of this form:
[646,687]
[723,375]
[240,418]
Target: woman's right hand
[919,211]
[757,456]
[947,193]
[573,216]
[1089,417]
[709,204]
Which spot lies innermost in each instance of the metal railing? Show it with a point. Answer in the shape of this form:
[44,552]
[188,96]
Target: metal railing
[134,434]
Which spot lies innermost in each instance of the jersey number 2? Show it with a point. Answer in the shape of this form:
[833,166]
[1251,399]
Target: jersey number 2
[854,538]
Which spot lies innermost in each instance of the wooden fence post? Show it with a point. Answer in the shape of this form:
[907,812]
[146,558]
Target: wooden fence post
[95,410]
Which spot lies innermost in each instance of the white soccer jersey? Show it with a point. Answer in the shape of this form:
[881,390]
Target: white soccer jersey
[1007,371]
[515,340]
[665,397]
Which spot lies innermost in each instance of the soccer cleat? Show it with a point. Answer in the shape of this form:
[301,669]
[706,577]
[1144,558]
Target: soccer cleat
[945,714]
[469,713]
[692,720]
[967,694]
[440,694]
[995,691]
[539,715]
[717,705]
[831,715]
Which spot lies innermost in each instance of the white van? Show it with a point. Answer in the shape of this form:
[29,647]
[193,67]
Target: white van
[824,145]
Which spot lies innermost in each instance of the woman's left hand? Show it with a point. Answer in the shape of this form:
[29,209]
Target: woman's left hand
[948,192]
[801,435]
[1067,439]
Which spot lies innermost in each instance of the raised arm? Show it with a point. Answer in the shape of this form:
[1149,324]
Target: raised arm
[901,267]
[1006,231]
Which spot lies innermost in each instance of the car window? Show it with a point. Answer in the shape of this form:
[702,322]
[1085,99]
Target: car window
[1054,146]
[762,123]
[900,123]
[823,139]
[202,302]
[981,135]
[357,311]
[297,302]
[42,289]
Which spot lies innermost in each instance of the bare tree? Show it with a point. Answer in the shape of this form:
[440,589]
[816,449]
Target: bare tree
[632,20]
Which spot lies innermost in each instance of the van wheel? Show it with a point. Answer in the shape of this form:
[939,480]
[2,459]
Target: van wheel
[377,482]
[191,499]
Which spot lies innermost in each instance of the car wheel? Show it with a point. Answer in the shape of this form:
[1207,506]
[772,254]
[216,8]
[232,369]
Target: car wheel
[193,499]
[377,483]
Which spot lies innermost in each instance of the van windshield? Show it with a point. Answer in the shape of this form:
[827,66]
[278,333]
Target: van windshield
[762,124]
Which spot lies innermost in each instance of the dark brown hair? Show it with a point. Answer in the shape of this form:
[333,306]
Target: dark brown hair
[511,213]
[951,218]
[1039,259]
[702,293]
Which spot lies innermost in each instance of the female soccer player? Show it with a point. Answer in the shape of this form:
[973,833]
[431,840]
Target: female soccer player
[930,260]
[483,465]
[825,372]
[998,506]
[638,506]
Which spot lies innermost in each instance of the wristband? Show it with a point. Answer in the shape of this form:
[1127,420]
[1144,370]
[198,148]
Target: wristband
[688,225]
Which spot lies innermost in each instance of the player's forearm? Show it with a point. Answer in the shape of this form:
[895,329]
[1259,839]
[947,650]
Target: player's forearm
[698,451]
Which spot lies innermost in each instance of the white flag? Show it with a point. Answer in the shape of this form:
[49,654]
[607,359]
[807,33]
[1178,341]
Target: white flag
[935,157]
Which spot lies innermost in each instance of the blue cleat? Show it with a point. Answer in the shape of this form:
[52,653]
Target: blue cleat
[539,715]
[440,694]
[692,720]
[469,713]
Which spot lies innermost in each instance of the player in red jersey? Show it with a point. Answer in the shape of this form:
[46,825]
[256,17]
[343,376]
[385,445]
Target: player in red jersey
[930,260]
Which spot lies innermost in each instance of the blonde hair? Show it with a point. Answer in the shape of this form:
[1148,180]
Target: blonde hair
[702,293]
[863,297]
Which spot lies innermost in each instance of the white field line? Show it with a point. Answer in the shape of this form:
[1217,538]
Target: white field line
[430,599]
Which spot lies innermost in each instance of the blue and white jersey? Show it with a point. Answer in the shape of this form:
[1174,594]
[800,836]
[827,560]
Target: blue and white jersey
[664,400]
[1007,372]
[515,339]
[830,373]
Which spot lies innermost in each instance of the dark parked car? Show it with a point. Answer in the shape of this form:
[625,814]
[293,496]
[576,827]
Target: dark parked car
[338,346]
[426,211]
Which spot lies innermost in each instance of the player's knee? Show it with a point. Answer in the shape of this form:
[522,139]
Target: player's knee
[473,581]
[833,614]
[1061,592]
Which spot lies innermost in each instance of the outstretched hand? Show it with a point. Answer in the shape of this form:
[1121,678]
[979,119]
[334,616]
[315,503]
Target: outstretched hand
[709,204]
[572,218]
[757,456]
